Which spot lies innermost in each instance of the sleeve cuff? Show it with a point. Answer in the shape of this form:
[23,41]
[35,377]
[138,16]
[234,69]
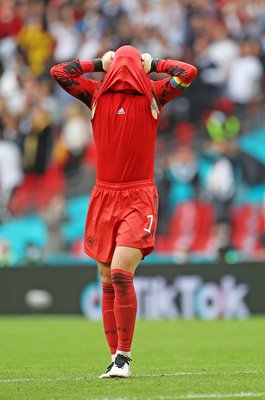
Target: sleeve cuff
[98,67]
[154,64]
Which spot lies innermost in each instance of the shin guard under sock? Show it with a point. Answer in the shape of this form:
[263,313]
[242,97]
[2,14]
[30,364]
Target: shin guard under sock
[109,322]
[125,307]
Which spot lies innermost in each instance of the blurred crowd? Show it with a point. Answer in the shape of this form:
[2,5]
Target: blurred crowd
[46,144]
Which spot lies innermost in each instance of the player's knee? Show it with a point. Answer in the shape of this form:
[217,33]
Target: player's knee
[122,282]
[104,272]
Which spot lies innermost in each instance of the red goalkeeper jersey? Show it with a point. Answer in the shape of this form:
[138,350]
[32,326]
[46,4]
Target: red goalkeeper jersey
[124,127]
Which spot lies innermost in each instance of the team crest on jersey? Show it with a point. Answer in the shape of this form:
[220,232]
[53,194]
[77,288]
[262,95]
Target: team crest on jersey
[90,240]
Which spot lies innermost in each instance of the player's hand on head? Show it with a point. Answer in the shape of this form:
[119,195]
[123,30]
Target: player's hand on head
[107,60]
[146,62]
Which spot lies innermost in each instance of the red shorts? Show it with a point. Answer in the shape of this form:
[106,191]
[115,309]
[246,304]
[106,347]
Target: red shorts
[121,214]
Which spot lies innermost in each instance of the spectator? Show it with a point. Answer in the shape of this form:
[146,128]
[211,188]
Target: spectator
[7,257]
[36,44]
[65,34]
[247,67]
[11,174]
[48,101]
[37,144]
[183,174]
[10,25]
[163,186]
[217,58]
[33,255]
[54,216]
[76,136]
[219,188]
[10,85]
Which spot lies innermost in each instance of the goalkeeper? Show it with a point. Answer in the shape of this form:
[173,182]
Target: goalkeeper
[122,215]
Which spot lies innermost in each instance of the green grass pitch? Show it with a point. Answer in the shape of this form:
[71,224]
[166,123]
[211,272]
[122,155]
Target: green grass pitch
[60,358]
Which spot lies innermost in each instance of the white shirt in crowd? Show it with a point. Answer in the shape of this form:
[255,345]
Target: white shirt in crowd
[11,173]
[244,79]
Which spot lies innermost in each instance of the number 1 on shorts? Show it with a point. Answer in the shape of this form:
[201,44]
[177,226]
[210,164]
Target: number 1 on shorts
[151,217]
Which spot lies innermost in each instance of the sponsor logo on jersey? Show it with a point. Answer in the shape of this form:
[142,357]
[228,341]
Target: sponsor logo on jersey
[120,111]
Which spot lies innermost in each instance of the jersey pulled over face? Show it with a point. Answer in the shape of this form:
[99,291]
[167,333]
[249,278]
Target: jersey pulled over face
[125,108]
[123,125]
[126,73]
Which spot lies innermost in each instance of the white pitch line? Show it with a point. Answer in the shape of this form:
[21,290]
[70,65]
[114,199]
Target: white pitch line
[213,396]
[190,396]
[198,373]
[173,374]
[62,378]
[177,397]
[80,378]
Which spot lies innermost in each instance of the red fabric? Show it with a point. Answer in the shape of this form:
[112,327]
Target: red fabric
[125,307]
[125,143]
[10,23]
[190,229]
[247,226]
[109,322]
[36,191]
[121,215]
[69,76]
[124,128]
[126,73]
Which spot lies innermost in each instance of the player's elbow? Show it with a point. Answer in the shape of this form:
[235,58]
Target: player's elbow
[193,72]
[54,71]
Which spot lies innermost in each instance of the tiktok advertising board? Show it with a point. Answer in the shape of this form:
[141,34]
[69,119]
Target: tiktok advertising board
[163,291]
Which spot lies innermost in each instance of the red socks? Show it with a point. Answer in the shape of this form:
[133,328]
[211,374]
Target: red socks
[125,307]
[109,321]
[119,307]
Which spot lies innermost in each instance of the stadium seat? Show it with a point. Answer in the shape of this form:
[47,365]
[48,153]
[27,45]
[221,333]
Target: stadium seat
[36,191]
[190,229]
[247,226]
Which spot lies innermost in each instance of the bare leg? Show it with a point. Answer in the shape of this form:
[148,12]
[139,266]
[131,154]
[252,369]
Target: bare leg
[126,258]
[104,271]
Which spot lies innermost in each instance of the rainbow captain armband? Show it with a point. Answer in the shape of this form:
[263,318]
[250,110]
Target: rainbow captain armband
[176,82]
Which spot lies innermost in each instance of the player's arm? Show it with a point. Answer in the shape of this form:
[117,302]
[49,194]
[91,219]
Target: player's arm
[181,75]
[70,77]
